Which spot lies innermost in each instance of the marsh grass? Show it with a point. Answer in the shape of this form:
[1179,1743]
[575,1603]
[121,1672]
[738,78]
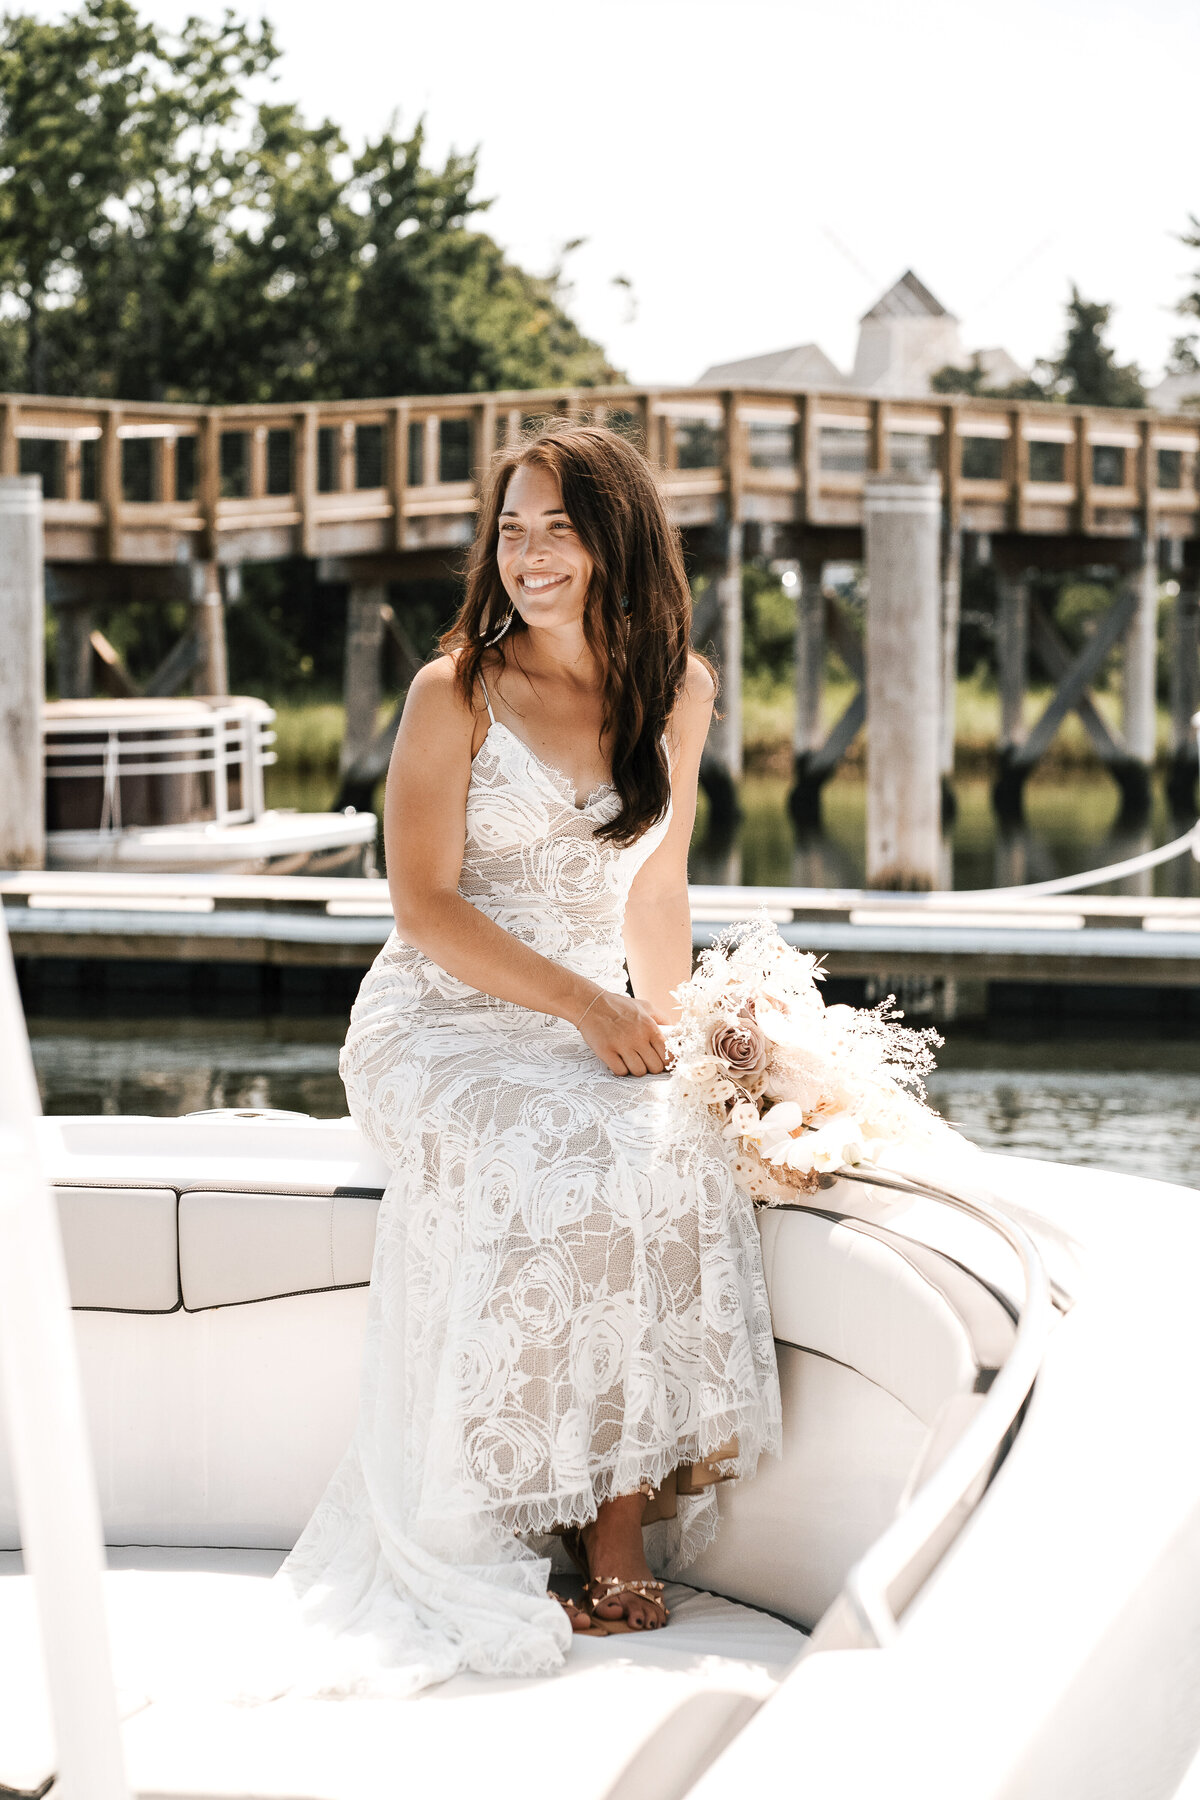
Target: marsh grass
[768,710]
[308,735]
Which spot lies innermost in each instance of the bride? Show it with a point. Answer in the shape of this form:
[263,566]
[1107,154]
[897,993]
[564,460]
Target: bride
[568,1329]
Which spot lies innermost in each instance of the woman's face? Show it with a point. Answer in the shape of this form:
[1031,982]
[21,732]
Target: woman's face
[544,567]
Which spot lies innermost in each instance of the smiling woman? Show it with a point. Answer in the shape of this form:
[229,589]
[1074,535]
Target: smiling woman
[569,1337]
[574,516]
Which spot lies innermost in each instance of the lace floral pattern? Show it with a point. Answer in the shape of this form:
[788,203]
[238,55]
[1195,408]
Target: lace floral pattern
[567,1294]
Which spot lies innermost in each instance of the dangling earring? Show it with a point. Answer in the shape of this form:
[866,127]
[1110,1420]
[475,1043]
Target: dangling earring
[489,641]
[624,603]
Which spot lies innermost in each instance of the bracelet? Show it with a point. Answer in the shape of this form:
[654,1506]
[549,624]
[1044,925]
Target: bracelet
[587,1009]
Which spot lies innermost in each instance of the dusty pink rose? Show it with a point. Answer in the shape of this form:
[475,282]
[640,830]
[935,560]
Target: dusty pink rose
[741,1045]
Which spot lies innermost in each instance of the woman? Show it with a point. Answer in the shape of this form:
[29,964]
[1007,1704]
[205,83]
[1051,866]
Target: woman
[568,1320]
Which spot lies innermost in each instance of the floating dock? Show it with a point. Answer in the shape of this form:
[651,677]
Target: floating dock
[330,923]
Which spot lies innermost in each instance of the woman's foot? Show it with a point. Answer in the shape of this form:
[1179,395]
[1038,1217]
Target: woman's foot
[583,1624]
[615,1553]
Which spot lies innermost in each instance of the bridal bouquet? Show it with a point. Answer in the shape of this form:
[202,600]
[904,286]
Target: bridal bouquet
[802,1089]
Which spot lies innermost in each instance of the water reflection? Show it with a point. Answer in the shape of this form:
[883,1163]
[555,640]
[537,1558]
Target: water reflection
[162,1069]
[1069,826]
[1113,1104]
[1141,1123]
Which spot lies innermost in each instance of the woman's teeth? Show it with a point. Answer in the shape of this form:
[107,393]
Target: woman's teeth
[534,582]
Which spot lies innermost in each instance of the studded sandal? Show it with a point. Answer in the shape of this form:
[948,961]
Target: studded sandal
[600,1588]
[611,1586]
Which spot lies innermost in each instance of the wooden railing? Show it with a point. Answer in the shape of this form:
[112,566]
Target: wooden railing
[159,483]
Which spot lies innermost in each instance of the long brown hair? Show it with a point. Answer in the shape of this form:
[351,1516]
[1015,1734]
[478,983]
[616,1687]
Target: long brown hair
[639,607]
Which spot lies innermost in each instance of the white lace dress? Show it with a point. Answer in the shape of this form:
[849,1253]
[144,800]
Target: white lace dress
[567,1294]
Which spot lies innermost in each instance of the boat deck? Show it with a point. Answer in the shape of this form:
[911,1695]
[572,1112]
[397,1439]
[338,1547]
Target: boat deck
[638,1716]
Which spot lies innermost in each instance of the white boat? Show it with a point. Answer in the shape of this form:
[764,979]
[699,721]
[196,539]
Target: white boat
[975,1571]
[176,786]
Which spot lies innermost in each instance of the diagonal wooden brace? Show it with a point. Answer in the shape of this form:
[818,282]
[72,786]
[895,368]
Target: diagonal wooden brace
[1075,683]
[845,640]
[175,668]
[824,761]
[1055,658]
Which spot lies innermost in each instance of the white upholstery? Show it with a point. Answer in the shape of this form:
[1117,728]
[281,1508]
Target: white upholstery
[120,1247]
[214,1427]
[222,1426]
[219,1423]
[788,1537]
[905,1317]
[631,1718]
[235,1248]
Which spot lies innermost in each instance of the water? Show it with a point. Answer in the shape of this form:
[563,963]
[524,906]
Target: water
[1070,825]
[1124,1104]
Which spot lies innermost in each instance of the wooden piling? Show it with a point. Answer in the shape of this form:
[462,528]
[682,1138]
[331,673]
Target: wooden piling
[73,651]
[721,765]
[902,520]
[22,626]
[1012,657]
[1185,695]
[1138,712]
[731,654]
[804,801]
[951,612]
[1012,679]
[810,656]
[363,680]
[208,606]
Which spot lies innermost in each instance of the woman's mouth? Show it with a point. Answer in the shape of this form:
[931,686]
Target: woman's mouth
[539,584]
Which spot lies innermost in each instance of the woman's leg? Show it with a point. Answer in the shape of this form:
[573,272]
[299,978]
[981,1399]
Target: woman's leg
[614,1547]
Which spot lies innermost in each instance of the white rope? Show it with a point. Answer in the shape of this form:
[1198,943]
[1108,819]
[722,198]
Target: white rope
[1072,884]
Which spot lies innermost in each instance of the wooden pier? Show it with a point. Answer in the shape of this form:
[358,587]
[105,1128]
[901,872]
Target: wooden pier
[169,500]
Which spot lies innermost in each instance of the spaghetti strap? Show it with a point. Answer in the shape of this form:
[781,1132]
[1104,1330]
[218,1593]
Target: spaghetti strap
[487,699]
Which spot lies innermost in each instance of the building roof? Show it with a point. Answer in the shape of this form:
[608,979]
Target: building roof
[1000,369]
[909,298]
[801,365]
[1175,393]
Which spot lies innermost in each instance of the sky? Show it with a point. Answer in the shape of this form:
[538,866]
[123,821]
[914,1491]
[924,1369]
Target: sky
[760,170]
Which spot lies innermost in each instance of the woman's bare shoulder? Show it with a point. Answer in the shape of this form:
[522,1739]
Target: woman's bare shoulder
[688,724]
[434,699]
[699,688]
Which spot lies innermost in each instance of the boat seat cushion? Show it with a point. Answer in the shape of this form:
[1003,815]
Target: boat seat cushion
[236,1248]
[667,1701]
[904,1316]
[121,1247]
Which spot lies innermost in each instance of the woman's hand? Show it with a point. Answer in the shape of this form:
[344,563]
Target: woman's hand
[626,1034]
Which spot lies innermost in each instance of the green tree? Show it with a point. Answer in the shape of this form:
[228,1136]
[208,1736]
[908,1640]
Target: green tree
[162,235]
[1182,358]
[1086,371]
[1189,306]
[952,378]
[92,114]
[972,379]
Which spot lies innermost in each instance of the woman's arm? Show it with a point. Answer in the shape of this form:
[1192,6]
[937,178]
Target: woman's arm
[424,827]
[658,924]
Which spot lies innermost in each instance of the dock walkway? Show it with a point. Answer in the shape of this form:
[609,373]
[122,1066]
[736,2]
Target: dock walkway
[319,922]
